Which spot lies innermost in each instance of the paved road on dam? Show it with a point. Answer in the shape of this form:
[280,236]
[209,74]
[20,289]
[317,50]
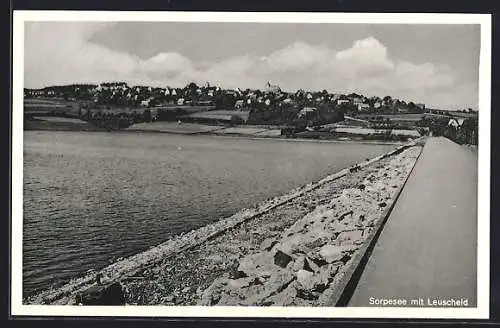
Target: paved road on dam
[427,248]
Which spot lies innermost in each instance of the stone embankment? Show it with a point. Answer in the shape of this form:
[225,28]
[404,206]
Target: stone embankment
[291,250]
[305,264]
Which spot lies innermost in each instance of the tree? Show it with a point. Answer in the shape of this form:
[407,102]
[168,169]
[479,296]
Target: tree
[146,115]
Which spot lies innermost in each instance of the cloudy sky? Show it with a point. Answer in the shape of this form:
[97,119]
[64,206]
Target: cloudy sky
[434,64]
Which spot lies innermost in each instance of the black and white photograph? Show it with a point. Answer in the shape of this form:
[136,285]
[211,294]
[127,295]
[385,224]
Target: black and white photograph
[251,164]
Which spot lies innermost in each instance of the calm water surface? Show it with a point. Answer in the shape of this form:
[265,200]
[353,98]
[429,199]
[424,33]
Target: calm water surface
[92,197]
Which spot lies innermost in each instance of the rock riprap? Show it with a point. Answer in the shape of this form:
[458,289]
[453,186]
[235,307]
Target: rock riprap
[302,265]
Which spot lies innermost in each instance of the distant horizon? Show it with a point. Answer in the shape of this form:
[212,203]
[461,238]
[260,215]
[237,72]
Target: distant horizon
[420,63]
[242,88]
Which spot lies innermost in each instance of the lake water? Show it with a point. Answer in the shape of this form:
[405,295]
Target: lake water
[90,197]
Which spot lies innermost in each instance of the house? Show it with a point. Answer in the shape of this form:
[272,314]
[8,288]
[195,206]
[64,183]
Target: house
[421,106]
[456,122]
[343,101]
[145,103]
[363,107]
[306,111]
[239,104]
[180,101]
[231,93]
[357,101]
[377,104]
[267,102]
[272,88]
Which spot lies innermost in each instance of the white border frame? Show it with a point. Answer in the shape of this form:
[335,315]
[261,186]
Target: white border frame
[483,249]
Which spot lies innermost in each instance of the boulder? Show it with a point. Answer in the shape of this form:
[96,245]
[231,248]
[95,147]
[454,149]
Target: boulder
[213,293]
[303,263]
[336,226]
[331,253]
[252,265]
[317,242]
[352,236]
[305,279]
[285,298]
[244,282]
[268,244]
[316,258]
[276,283]
[281,258]
[324,278]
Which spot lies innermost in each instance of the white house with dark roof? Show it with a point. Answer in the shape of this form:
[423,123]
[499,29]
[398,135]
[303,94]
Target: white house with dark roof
[456,122]
[239,104]
[363,107]
[306,110]
[335,96]
[357,101]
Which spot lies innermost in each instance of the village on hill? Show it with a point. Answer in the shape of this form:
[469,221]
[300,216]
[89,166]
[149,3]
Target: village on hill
[300,113]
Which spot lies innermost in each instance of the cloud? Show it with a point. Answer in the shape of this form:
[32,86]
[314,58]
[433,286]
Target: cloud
[367,56]
[58,53]
[298,56]
[164,64]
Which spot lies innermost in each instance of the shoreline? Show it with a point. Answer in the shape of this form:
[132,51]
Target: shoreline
[87,127]
[130,267]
